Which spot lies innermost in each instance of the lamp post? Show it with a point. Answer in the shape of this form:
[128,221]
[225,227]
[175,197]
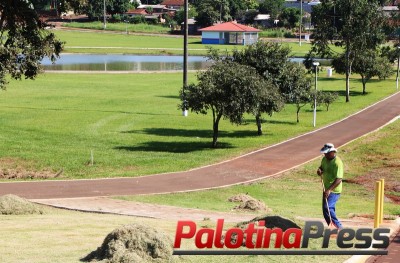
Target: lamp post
[185,59]
[104,14]
[398,65]
[316,64]
[301,20]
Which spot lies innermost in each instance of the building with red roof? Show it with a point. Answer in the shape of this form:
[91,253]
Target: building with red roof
[174,4]
[229,33]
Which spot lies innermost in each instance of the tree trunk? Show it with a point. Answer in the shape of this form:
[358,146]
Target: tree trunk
[364,83]
[215,129]
[259,124]
[347,74]
[297,114]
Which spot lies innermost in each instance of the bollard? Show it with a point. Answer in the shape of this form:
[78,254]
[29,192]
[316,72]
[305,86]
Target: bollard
[377,203]
[379,198]
[382,199]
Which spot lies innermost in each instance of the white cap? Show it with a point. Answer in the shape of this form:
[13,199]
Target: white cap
[328,147]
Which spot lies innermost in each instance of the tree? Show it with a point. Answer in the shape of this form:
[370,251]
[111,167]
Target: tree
[269,60]
[117,6]
[95,9]
[290,17]
[210,11]
[272,7]
[180,14]
[328,98]
[228,89]
[249,16]
[24,41]
[296,87]
[354,25]
[368,64]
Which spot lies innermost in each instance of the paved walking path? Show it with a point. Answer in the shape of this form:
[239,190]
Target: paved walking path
[251,167]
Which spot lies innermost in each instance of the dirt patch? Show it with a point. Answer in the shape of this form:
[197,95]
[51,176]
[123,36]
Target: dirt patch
[392,183]
[133,243]
[248,203]
[15,205]
[14,168]
[270,222]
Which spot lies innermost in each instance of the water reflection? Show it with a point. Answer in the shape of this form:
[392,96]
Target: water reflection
[88,62]
[134,63]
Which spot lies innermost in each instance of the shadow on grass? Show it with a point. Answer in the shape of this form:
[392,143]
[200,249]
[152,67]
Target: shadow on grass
[169,132]
[266,122]
[173,147]
[169,97]
[342,93]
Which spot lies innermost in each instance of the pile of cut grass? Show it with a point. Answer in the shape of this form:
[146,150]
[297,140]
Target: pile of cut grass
[15,205]
[134,243]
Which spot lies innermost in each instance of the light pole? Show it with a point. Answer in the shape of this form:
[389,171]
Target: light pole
[301,20]
[104,14]
[185,59]
[316,64]
[398,65]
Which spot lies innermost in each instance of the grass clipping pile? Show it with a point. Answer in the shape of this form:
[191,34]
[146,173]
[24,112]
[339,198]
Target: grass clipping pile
[15,205]
[133,243]
[248,203]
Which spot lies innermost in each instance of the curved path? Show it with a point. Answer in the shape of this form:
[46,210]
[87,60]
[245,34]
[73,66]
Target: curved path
[254,166]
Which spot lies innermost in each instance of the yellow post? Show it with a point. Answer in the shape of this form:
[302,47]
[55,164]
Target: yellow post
[382,199]
[377,203]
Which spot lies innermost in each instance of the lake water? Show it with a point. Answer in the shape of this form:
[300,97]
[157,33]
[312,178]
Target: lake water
[135,63]
[127,63]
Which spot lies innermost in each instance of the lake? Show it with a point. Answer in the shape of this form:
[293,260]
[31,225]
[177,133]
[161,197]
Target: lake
[135,63]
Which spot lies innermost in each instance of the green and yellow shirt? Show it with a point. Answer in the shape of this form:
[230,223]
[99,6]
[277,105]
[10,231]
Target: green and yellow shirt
[332,169]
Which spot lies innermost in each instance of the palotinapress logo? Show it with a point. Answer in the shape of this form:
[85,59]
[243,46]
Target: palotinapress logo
[256,239]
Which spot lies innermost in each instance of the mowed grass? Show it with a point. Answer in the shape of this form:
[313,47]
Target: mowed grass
[67,236]
[141,27]
[131,124]
[121,43]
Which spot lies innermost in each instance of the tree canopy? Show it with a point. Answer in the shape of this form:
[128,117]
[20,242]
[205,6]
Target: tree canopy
[229,90]
[354,25]
[24,41]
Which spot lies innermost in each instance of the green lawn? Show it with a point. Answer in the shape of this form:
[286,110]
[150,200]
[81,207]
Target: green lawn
[122,27]
[132,125]
[121,43]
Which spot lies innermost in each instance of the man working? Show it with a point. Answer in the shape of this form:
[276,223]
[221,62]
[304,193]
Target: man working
[331,170]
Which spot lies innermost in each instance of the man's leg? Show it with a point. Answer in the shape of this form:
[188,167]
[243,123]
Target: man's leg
[332,199]
[325,210]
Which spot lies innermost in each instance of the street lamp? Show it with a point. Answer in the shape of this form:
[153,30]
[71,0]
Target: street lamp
[398,64]
[316,64]
[185,59]
[104,14]
[301,20]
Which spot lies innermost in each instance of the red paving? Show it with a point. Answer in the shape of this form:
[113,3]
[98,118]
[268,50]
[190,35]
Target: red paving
[393,255]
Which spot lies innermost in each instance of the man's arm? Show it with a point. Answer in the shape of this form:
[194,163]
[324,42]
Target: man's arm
[333,186]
